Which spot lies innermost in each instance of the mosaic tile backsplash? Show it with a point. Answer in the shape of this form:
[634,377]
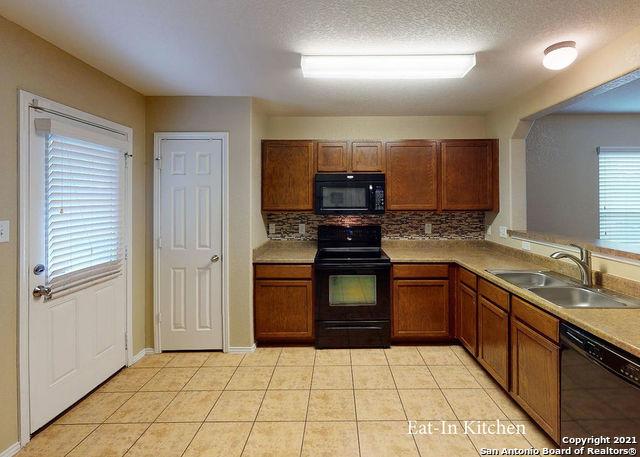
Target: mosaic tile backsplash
[396,225]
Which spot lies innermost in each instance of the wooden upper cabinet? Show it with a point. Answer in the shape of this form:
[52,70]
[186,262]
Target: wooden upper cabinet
[367,156]
[421,175]
[412,175]
[287,175]
[332,156]
[469,175]
[354,157]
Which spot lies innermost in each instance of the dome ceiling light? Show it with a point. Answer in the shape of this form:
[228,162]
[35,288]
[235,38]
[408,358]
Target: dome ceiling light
[560,55]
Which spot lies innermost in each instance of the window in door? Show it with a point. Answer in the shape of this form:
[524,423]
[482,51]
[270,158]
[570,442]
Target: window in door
[619,193]
[83,211]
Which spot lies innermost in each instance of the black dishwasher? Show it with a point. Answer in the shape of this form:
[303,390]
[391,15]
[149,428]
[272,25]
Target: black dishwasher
[600,393]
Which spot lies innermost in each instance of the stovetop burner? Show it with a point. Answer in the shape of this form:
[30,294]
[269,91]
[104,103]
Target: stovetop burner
[351,255]
[350,244]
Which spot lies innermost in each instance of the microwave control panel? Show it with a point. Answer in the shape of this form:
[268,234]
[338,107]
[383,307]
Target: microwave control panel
[379,198]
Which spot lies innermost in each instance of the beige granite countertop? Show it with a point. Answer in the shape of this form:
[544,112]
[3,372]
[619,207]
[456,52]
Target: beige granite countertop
[285,252]
[618,326]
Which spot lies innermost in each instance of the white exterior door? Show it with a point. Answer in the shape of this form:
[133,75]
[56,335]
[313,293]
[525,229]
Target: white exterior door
[76,251]
[190,244]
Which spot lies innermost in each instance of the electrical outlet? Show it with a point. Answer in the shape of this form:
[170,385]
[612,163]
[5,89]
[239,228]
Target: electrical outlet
[4,231]
[503,231]
[489,230]
[428,228]
[272,229]
[526,245]
[302,229]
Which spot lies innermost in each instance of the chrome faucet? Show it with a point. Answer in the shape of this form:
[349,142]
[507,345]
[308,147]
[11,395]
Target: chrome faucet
[584,263]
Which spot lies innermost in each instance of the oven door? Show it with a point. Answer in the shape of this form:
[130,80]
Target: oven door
[348,292]
[343,197]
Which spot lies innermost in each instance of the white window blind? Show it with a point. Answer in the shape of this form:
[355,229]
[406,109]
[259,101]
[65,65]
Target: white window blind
[619,184]
[84,212]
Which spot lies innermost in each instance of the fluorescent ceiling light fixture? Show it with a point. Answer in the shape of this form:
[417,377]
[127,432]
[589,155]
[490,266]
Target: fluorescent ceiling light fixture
[560,55]
[388,67]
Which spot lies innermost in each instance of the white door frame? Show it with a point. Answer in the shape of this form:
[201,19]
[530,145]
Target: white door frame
[25,101]
[157,138]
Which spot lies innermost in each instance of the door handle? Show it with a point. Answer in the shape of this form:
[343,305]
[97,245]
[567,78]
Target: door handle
[215,258]
[42,291]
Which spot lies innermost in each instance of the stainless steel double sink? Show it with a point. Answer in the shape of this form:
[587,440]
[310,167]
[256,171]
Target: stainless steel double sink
[564,291]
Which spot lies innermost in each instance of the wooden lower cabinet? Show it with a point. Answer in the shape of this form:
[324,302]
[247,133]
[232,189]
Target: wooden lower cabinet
[493,340]
[468,318]
[283,303]
[535,376]
[421,309]
[283,309]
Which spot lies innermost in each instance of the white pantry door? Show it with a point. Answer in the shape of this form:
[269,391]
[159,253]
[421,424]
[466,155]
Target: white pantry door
[190,244]
[76,252]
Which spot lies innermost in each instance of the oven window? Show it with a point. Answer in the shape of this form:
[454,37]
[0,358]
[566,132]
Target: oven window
[344,197]
[352,290]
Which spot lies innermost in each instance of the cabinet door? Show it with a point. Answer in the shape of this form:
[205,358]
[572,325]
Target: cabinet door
[493,340]
[367,156]
[332,156]
[283,310]
[420,308]
[287,175]
[535,376]
[412,172]
[468,315]
[467,174]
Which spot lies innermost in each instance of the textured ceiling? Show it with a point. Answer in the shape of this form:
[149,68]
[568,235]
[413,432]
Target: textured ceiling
[623,99]
[242,47]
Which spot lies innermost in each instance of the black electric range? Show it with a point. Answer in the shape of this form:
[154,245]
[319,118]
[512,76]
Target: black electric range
[352,280]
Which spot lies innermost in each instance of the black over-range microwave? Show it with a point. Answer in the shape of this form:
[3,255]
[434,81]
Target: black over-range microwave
[349,193]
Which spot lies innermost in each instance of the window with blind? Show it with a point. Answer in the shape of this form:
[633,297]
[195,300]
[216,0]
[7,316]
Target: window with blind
[84,211]
[619,193]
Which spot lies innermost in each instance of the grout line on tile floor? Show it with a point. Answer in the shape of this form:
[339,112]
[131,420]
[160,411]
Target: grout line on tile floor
[212,406]
[355,408]
[415,443]
[458,417]
[306,414]
[264,394]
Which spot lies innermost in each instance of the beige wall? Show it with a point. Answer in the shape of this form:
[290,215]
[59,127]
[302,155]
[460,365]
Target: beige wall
[562,169]
[375,127]
[509,123]
[30,63]
[258,132]
[218,114]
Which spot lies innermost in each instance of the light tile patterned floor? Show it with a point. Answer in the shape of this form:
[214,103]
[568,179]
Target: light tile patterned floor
[292,401]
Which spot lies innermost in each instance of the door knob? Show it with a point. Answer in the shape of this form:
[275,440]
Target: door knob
[215,258]
[42,291]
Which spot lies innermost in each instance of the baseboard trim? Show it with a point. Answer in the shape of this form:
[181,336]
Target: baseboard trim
[251,348]
[11,450]
[140,355]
